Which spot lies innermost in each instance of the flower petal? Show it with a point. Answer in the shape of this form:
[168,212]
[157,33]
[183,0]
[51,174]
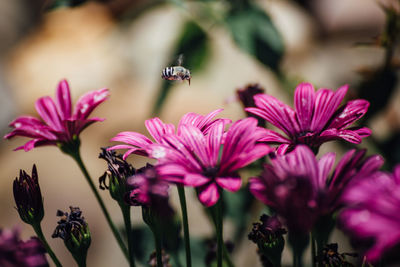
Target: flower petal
[273,137]
[48,111]
[325,165]
[232,184]
[63,100]
[195,179]
[195,139]
[326,103]
[349,113]
[157,128]
[304,101]
[214,141]
[88,102]
[209,195]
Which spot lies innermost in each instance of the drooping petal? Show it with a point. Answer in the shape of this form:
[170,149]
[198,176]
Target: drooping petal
[209,195]
[31,144]
[326,103]
[232,184]
[157,128]
[304,101]
[88,102]
[48,111]
[350,113]
[195,179]
[63,100]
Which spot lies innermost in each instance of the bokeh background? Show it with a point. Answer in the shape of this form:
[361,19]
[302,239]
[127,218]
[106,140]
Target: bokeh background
[124,45]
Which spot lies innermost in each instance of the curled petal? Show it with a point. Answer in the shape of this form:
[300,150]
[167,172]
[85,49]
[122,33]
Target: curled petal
[348,114]
[208,194]
[88,102]
[232,184]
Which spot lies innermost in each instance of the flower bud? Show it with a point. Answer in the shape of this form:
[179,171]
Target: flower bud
[28,197]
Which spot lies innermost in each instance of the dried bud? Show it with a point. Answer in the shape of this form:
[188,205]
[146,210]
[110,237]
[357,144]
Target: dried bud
[118,171]
[74,230]
[28,197]
[246,94]
[330,257]
[164,258]
[268,235]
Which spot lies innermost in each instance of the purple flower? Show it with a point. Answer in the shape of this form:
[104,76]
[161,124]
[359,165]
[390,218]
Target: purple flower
[136,143]
[373,213]
[193,157]
[316,118]
[17,253]
[28,197]
[300,189]
[59,125]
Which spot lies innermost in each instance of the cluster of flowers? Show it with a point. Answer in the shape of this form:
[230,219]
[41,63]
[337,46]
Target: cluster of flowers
[305,192]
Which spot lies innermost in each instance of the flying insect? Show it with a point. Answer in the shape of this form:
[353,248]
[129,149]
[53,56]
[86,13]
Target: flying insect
[176,73]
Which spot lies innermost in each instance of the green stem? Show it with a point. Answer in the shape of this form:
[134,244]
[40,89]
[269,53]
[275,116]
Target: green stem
[81,261]
[313,253]
[182,199]
[126,212]
[77,157]
[219,229]
[39,233]
[157,241]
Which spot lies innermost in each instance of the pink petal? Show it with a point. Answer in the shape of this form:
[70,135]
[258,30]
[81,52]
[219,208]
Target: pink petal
[157,128]
[273,137]
[31,144]
[209,195]
[48,111]
[88,102]
[63,100]
[258,189]
[326,103]
[257,152]
[214,140]
[232,184]
[351,112]
[304,101]
[195,139]
[325,165]
[132,138]
[195,179]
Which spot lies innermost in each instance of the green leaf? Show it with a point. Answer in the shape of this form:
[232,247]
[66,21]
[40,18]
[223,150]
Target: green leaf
[193,44]
[64,3]
[253,31]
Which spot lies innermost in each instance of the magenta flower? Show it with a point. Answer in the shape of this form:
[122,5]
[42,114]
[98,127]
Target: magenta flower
[17,253]
[300,189]
[59,125]
[316,119]
[136,143]
[193,157]
[373,213]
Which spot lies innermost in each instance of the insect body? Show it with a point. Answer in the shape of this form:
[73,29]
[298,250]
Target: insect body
[176,73]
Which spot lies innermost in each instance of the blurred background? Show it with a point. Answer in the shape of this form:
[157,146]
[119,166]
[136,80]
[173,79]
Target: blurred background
[125,44]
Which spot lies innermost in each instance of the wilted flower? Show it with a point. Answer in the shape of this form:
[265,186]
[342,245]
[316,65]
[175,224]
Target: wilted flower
[372,213]
[330,257]
[246,97]
[268,235]
[59,125]
[28,197]
[17,253]
[137,143]
[74,230]
[118,171]
[316,118]
[300,189]
[192,158]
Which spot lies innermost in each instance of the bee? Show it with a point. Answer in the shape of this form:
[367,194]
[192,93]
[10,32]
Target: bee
[176,73]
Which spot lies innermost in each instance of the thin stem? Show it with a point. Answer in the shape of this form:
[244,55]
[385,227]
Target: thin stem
[313,252]
[157,242]
[126,212]
[77,157]
[219,229]
[182,200]
[39,233]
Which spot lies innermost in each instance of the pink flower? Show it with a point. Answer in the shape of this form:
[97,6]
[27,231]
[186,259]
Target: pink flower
[373,213]
[136,143]
[300,189]
[193,157]
[316,118]
[59,125]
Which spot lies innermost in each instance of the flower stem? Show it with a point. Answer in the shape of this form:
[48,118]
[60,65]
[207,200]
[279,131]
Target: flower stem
[157,241]
[77,157]
[182,199]
[219,229]
[126,212]
[38,230]
[313,248]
